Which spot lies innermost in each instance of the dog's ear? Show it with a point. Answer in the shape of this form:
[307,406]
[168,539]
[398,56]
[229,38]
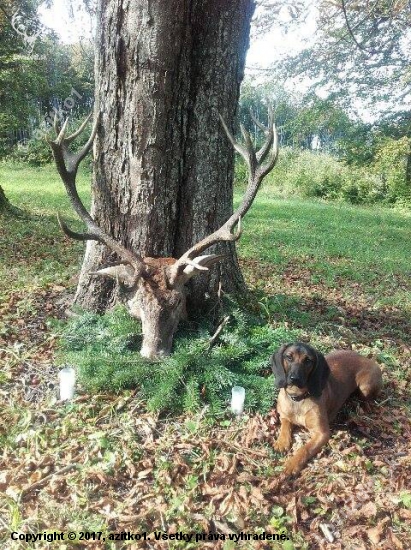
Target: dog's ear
[318,377]
[278,368]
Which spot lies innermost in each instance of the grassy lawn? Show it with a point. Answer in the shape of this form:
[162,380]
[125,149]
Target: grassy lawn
[334,242]
[33,251]
[321,266]
[337,274]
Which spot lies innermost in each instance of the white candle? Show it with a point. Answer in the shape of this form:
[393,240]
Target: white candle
[67,378]
[237,399]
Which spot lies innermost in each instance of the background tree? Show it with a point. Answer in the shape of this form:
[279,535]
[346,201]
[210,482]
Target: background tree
[361,58]
[21,77]
[360,49]
[299,118]
[13,77]
[37,74]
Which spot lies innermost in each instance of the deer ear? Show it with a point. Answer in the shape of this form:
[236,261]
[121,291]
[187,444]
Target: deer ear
[278,367]
[318,377]
[122,272]
[199,264]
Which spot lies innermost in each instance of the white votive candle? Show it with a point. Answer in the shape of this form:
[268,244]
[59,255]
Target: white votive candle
[67,377]
[237,399]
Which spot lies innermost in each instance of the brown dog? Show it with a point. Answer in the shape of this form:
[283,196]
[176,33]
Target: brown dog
[313,389]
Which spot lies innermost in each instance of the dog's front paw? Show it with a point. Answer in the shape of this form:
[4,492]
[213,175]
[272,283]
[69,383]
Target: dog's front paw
[292,466]
[282,445]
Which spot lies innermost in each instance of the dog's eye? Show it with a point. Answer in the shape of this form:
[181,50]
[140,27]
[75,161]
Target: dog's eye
[289,357]
[307,361]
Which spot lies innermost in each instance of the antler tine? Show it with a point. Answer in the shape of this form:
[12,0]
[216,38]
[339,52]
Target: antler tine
[257,122]
[251,157]
[266,168]
[73,136]
[237,146]
[55,124]
[269,133]
[97,234]
[60,137]
[257,172]
[67,165]
[73,234]
[86,148]
[196,265]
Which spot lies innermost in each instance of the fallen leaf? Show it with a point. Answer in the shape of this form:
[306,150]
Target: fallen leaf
[404,513]
[375,534]
[369,510]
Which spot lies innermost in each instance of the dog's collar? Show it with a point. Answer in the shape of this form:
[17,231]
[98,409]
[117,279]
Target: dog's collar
[298,398]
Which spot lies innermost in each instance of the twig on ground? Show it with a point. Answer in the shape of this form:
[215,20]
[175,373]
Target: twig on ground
[47,478]
[218,331]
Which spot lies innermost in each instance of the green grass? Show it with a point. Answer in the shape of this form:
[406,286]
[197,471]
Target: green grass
[40,190]
[367,241]
[367,244]
[333,242]
[324,245]
[33,249]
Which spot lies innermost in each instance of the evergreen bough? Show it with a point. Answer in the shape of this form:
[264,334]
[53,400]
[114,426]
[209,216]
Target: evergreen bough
[105,351]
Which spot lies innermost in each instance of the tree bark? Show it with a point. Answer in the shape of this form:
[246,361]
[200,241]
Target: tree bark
[5,205]
[4,202]
[163,165]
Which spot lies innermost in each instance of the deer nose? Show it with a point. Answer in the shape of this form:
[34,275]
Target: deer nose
[151,353]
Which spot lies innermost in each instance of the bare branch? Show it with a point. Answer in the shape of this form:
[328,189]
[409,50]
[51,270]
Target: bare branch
[350,30]
[60,136]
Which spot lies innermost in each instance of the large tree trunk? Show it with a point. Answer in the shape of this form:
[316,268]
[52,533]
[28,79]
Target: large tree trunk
[163,165]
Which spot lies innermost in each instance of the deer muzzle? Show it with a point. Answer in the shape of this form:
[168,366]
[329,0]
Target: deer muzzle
[158,332]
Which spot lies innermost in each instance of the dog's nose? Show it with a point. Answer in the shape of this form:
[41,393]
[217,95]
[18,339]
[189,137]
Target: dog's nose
[295,380]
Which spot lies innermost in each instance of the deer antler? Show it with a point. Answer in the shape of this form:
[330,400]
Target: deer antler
[257,172]
[67,164]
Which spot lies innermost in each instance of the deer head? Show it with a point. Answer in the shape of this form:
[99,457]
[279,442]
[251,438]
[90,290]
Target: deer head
[156,287]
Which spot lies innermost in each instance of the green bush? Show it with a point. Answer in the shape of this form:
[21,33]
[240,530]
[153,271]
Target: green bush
[312,174]
[319,175]
[36,152]
[105,350]
[390,167]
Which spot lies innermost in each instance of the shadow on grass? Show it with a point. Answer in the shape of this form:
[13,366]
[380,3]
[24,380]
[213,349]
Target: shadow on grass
[330,315]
